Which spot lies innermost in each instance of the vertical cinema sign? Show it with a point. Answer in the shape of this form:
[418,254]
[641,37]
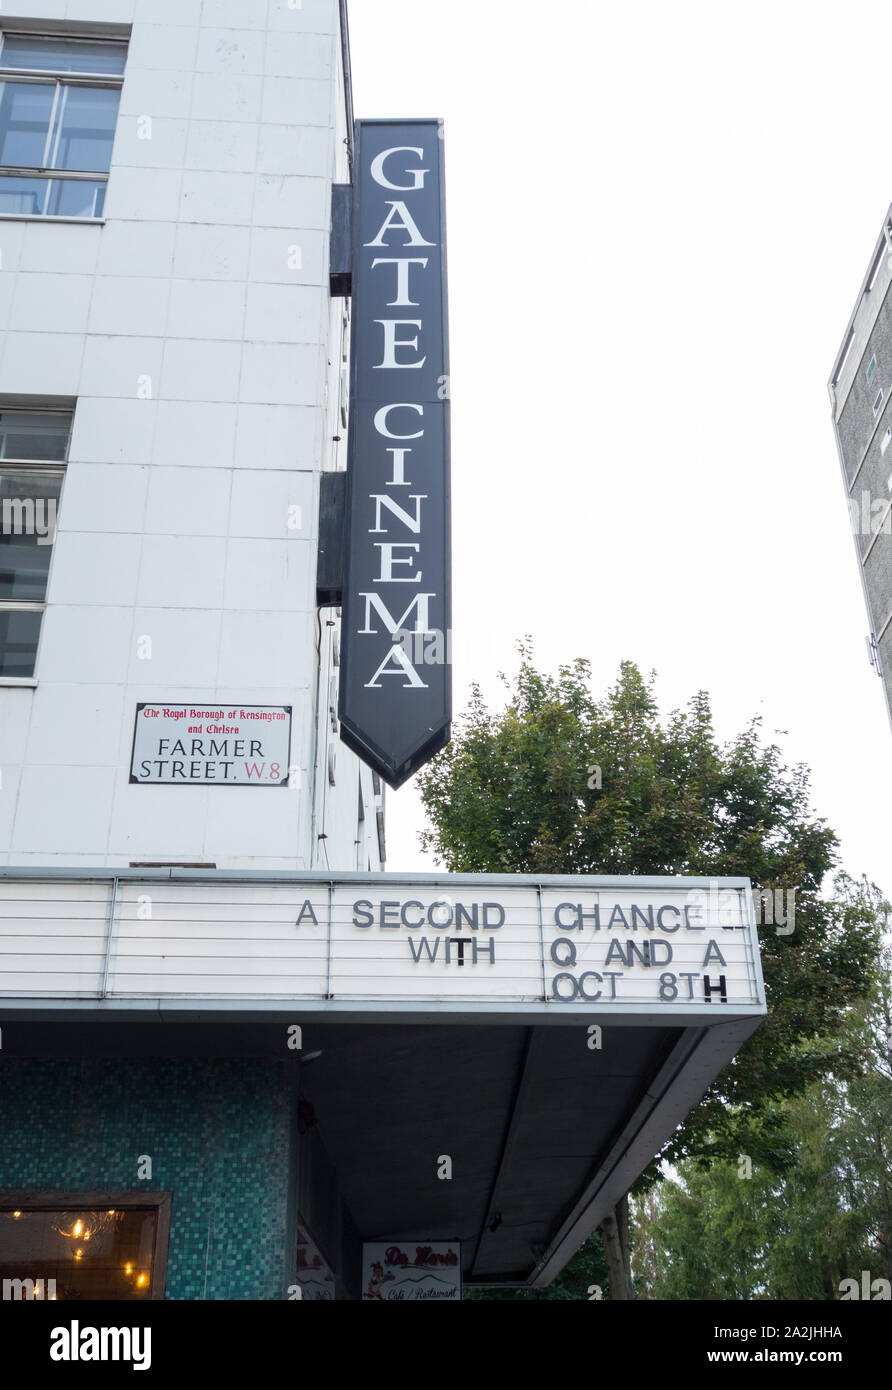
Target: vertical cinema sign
[396,674]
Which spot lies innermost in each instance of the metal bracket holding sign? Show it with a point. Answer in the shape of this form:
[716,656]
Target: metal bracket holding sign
[395,703]
[330,555]
[341,245]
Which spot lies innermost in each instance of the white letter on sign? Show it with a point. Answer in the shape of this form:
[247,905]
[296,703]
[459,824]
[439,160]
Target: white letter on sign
[383,427]
[399,656]
[402,278]
[388,560]
[391,343]
[412,522]
[405,222]
[377,169]
[392,624]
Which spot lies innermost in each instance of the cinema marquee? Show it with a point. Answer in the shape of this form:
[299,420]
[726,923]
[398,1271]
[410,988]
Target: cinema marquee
[548,1034]
[396,686]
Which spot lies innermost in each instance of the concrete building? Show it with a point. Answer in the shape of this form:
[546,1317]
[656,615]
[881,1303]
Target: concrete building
[238,1060]
[170,383]
[860,393]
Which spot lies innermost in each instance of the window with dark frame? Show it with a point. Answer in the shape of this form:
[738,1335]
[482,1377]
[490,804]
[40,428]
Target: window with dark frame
[59,99]
[84,1246]
[33,452]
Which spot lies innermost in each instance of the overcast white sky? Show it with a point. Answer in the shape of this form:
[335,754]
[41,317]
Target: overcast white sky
[659,214]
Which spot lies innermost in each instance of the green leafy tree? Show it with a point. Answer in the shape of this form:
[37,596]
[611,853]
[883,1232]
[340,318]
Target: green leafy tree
[749,1232]
[558,781]
[710,1231]
[583,1277]
[862,1143]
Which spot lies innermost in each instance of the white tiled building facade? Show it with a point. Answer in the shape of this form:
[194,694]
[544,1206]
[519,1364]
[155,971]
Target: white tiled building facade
[179,318]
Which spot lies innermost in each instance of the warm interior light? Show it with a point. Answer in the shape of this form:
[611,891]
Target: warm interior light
[128,1268]
[78,1227]
[16,1215]
[141,1280]
[78,1254]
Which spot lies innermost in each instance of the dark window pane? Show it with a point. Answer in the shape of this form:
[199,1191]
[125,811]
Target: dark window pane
[32,434]
[24,196]
[52,198]
[76,198]
[85,129]
[28,507]
[23,569]
[62,55]
[25,109]
[18,642]
[89,1254]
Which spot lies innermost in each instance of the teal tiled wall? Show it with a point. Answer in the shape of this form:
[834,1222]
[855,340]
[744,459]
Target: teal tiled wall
[220,1135]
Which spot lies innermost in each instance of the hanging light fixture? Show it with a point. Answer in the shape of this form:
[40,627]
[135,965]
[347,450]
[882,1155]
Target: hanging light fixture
[91,1225]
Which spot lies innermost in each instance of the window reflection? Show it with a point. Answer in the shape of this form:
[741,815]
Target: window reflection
[79,1253]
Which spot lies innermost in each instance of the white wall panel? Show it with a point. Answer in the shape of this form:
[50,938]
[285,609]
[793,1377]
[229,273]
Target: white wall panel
[126,304]
[277,641]
[160,144]
[50,303]
[187,12]
[53,249]
[211,253]
[120,366]
[88,643]
[200,369]
[184,646]
[158,94]
[52,359]
[231,51]
[188,500]
[216,197]
[88,570]
[290,435]
[65,808]
[195,434]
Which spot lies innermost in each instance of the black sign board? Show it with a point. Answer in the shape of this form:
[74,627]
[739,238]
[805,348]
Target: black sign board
[396,668]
